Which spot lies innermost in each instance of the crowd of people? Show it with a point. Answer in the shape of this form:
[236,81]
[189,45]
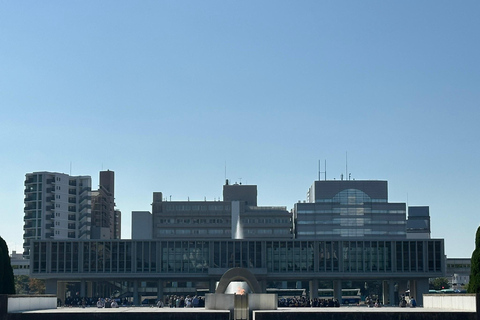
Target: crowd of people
[188,301]
[94,302]
[194,301]
[296,302]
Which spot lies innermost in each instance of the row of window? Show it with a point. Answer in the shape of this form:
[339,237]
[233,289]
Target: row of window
[350,211]
[351,222]
[222,221]
[350,232]
[187,207]
[249,231]
[199,256]
[194,221]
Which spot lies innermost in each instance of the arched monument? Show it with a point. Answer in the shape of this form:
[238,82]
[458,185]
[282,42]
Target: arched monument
[238,274]
[240,305]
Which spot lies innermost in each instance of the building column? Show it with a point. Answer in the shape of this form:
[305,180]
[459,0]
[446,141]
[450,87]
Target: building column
[82,288]
[337,290]
[388,292]
[263,285]
[421,288]
[135,293]
[160,290]
[89,289]
[384,298]
[391,293]
[313,288]
[51,286]
[61,291]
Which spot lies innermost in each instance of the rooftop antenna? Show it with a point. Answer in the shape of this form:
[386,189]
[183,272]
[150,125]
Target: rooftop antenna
[346,165]
[320,172]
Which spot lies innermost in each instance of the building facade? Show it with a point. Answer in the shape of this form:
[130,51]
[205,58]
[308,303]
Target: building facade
[343,209]
[57,206]
[144,268]
[106,220]
[345,235]
[458,272]
[236,217]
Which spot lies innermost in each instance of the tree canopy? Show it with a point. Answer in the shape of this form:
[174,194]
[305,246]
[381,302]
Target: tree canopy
[474,284]
[7,282]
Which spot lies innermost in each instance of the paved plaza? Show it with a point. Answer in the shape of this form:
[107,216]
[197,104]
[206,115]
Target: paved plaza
[354,309]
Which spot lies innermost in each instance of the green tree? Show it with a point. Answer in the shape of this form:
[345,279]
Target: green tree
[7,283]
[474,284]
[21,284]
[36,286]
[439,284]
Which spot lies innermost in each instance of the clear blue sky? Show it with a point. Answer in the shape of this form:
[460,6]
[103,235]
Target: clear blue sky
[165,93]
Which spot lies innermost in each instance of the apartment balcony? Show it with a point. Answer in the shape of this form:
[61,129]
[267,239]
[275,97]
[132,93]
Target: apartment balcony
[72,191]
[71,217]
[50,181]
[28,225]
[31,180]
[31,197]
[49,216]
[49,208]
[49,226]
[29,216]
[72,183]
[49,235]
[30,206]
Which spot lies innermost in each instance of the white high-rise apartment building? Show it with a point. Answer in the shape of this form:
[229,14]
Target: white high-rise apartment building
[57,206]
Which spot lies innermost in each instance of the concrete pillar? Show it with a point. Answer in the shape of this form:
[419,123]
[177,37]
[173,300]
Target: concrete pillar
[313,288]
[421,288]
[89,289]
[82,288]
[61,291]
[263,285]
[337,290]
[160,290]
[391,293]
[51,286]
[385,292]
[135,293]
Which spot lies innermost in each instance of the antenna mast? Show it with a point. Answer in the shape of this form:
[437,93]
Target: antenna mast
[320,172]
[346,165]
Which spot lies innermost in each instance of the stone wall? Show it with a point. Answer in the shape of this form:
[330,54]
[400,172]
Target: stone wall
[464,302]
[20,303]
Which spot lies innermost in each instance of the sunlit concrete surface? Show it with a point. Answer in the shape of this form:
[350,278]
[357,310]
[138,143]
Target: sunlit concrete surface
[200,310]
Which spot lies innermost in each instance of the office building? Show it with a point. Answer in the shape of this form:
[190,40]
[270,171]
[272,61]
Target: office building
[418,223]
[458,272]
[343,209]
[20,265]
[236,217]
